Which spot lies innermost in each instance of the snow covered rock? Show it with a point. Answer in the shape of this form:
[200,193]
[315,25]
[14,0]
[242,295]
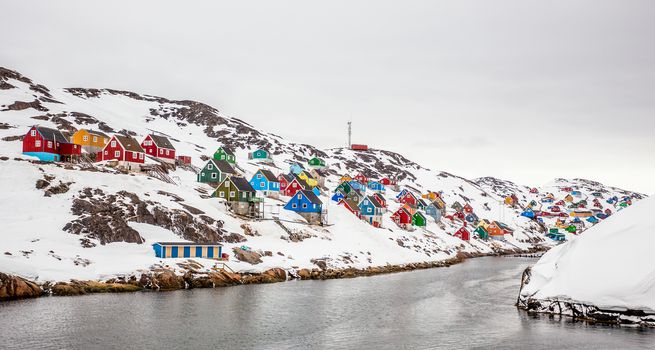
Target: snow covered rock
[609,270]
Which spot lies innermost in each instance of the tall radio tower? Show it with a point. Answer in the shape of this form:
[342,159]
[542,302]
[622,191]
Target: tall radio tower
[350,132]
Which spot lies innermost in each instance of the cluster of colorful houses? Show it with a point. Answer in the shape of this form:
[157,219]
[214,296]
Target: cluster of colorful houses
[570,212]
[52,145]
[246,197]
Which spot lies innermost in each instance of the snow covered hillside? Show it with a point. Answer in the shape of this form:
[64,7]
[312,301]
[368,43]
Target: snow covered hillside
[90,221]
[611,266]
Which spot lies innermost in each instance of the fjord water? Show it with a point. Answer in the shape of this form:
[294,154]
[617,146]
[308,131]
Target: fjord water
[469,305]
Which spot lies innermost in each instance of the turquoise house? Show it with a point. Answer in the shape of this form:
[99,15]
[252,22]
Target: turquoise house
[188,250]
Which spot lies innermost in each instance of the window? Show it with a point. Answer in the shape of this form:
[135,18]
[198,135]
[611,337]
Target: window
[244,195]
[368,210]
[95,138]
[261,184]
[294,185]
[210,166]
[85,138]
[140,155]
[33,133]
[168,152]
[304,205]
[202,174]
[113,144]
[221,194]
[259,176]
[134,155]
[37,143]
[223,157]
[227,185]
[49,144]
[213,175]
[161,151]
[106,152]
[117,153]
[299,196]
[294,205]
[231,193]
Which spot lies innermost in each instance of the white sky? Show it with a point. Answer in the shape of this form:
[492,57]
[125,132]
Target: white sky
[523,90]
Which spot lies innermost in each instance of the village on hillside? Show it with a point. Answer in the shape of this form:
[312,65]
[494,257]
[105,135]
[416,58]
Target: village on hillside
[298,187]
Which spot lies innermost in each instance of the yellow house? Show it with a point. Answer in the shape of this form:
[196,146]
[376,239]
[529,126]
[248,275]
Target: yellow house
[309,179]
[568,198]
[92,141]
[484,223]
[345,178]
[509,200]
[430,195]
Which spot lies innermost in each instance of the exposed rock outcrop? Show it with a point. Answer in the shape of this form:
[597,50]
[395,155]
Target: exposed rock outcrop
[13,287]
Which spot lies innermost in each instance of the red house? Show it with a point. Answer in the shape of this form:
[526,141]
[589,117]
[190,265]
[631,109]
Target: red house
[49,145]
[408,198]
[402,216]
[468,208]
[294,186]
[463,234]
[380,199]
[159,147]
[386,181]
[555,209]
[560,202]
[184,160]
[355,147]
[351,206]
[124,149]
[284,180]
[361,178]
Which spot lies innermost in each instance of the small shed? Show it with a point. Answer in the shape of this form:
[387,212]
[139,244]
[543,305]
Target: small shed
[188,250]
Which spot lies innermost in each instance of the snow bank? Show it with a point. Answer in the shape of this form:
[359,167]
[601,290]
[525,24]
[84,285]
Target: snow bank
[611,266]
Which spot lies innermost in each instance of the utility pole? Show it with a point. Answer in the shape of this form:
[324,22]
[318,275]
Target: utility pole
[349,133]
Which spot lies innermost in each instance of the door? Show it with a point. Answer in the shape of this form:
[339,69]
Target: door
[187,252]
[174,252]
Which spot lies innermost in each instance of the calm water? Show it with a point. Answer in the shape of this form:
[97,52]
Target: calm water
[465,306]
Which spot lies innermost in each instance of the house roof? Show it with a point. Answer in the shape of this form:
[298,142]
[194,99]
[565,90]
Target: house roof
[302,182]
[129,143]
[162,141]
[320,172]
[96,132]
[242,184]
[309,175]
[287,177]
[188,243]
[311,196]
[268,175]
[351,203]
[423,203]
[374,200]
[224,166]
[226,150]
[51,134]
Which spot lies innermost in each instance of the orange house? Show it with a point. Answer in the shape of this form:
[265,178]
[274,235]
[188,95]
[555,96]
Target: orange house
[92,141]
[494,230]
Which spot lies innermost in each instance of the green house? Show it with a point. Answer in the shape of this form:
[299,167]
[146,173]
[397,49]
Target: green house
[418,219]
[215,171]
[344,187]
[553,230]
[355,195]
[225,154]
[571,229]
[482,233]
[259,154]
[235,189]
[316,162]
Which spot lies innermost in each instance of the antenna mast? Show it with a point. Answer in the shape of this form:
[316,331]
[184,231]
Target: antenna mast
[349,133]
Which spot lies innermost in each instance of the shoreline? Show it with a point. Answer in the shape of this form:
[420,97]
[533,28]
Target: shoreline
[580,311]
[160,280]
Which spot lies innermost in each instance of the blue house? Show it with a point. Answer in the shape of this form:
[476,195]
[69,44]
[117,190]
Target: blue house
[528,214]
[188,250]
[304,201]
[432,211]
[265,181]
[592,219]
[576,193]
[356,185]
[546,200]
[337,196]
[371,210]
[401,193]
[375,186]
[296,168]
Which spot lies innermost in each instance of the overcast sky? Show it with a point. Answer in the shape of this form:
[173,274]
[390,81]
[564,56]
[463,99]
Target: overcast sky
[523,90]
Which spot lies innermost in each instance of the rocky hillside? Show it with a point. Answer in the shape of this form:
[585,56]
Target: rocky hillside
[92,221]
